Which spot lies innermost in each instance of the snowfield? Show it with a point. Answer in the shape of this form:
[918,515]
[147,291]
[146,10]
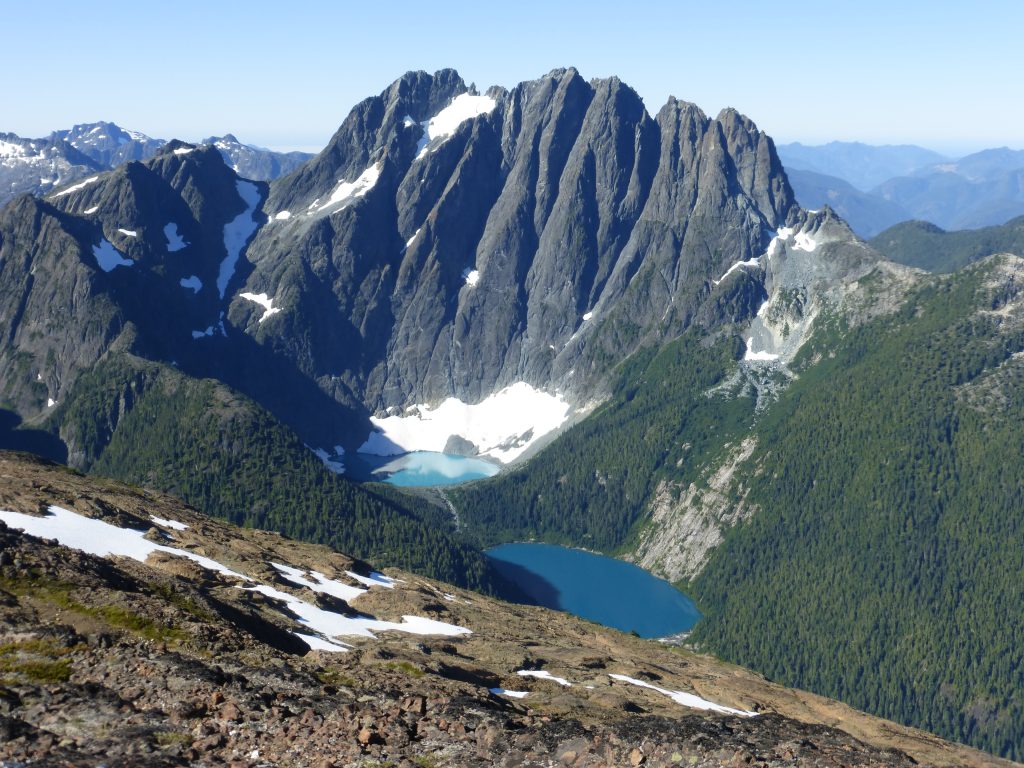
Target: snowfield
[237,232]
[503,426]
[443,125]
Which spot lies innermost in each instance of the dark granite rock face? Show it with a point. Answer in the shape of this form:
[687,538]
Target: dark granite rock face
[444,243]
[472,264]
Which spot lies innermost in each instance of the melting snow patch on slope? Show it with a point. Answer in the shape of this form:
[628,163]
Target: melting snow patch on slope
[100,538]
[751,263]
[92,210]
[758,356]
[471,276]
[183,150]
[78,186]
[282,215]
[175,242]
[108,257]
[334,463]
[174,525]
[504,692]
[541,674]
[264,301]
[320,584]
[686,699]
[804,242]
[237,232]
[347,191]
[97,537]
[411,239]
[128,232]
[373,580]
[502,426]
[444,124]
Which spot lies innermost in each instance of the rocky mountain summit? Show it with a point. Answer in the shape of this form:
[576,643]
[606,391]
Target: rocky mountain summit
[136,631]
[39,166]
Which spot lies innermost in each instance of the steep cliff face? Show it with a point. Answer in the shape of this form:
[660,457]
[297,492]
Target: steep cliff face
[445,243]
[470,241]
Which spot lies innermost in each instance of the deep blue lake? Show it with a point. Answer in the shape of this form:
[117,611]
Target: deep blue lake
[421,468]
[602,589]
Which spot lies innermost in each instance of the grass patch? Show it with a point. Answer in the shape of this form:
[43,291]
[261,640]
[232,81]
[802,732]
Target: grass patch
[336,678]
[404,666]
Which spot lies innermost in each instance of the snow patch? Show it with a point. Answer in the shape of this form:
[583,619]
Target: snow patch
[128,232]
[348,191]
[587,316]
[92,210]
[264,301]
[686,699]
[172,524]
[200,334]
[334,463]
[373,580]
[541,674]
[100,538]
[183,150]
[108,257]
[504,692]
[411,239]
[175,242]
[444,124]
[317,643]
[471,276]
[97,537]
[804,242]
[282,215]
[751,263]
[237,232]
[502,426]
[78,186]
[50,402]
[762,356]
[321,583]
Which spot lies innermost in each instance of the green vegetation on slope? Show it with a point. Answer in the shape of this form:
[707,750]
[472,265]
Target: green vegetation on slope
[925,246]
[147,424]
[884,567]
[590,487]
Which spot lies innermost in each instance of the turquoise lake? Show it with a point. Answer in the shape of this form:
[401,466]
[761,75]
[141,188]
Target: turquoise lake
[422,468]
[605,590]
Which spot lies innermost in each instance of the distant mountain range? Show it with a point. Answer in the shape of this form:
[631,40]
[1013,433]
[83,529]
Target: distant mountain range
[36,166]
[874,187]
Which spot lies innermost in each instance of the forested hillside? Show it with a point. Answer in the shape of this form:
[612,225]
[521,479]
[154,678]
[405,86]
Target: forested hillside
[226,455]
[881,563]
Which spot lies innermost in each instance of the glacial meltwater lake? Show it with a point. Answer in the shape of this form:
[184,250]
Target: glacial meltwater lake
[421,468]
[609,591]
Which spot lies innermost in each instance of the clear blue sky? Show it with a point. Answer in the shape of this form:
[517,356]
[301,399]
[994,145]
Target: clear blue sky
[946,75]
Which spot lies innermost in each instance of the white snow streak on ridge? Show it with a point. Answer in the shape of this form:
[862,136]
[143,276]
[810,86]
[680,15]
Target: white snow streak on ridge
[237,232]
[78,186]
[172,524]
[102,539]
[264,301]
[513,694]
[442,125]
[544,675]
[349,190]
[497,426]
[92,210]
[756,262]
[373,580]
[128,232]
[175,242]
[108,257]
[686,699]
[322,584]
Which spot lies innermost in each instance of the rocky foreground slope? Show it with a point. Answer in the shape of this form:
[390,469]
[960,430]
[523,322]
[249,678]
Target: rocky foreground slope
[211,645]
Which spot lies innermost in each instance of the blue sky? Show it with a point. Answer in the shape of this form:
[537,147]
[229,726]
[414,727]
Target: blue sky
[946,75]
